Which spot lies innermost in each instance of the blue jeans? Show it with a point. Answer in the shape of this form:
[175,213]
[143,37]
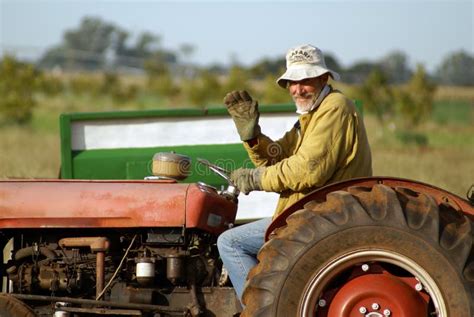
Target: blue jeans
[238,248]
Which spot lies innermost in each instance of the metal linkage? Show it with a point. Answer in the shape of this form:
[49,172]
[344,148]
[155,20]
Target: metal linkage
[80,301]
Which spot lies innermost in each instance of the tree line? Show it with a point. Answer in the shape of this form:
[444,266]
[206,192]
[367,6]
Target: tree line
[97,45]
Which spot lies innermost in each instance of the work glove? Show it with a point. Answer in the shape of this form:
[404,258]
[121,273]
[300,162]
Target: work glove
[244,111]
[247,179]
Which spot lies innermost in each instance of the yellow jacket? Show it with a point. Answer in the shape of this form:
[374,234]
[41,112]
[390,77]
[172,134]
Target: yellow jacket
[327,145]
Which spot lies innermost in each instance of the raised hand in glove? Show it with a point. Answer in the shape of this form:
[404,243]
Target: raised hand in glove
[247,179]
[244,111]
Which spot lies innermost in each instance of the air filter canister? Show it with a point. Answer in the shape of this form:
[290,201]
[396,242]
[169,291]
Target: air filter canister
[145,271]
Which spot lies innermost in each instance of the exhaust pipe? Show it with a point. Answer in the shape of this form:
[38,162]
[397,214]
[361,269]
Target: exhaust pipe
[98,245]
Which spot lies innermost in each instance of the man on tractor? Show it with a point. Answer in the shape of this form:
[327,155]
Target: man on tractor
[328,143]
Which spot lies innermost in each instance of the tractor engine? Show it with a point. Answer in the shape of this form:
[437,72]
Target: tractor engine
[43,269]
[137,267]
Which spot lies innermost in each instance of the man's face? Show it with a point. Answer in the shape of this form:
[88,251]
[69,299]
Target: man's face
[304,92]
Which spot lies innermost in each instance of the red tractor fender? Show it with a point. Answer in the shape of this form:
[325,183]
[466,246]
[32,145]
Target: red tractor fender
[440,195]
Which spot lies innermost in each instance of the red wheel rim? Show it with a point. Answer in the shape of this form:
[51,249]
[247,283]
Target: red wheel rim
[377,295]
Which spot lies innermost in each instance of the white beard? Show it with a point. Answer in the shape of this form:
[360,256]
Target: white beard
[310,101]
[304,105]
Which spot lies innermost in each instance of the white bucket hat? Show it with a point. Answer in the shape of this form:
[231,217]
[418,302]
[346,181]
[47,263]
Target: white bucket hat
[305,61]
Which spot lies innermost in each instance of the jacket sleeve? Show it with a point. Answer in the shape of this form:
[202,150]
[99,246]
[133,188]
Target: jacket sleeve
[325,147]
[268,152]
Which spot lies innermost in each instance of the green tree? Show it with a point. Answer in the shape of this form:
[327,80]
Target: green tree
[186,50]
[272,93]
[111,85]
[203,90]
[212,86]
[86,45]
[332,63]
[93,35]
[120,42]
[457,69]
[145,48]
[159,76]
[377,96]
[359,72]
[146,44]
[237,79]
[414,102]
[83,47]
[164,85]
[56,56]
[18,81]
[395,67]
[90,44]
[267,67]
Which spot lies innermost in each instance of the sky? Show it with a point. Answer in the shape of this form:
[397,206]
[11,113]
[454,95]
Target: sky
[247,31]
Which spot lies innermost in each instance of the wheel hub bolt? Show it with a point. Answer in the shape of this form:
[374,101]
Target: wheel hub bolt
[322,303]
[375,306]
[387,312]
[365,267]
[362,310]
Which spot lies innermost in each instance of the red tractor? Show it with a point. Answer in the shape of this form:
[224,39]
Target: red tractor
[369,247]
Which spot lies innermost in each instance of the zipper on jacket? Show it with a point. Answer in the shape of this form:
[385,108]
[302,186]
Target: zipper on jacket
[297,126]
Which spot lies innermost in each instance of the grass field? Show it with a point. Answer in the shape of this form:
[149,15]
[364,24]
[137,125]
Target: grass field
[446,160]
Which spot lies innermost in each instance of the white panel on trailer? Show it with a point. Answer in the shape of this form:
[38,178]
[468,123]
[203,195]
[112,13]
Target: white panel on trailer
[152,132]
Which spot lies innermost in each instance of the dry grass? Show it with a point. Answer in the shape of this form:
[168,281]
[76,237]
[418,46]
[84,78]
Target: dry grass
[446,162]
[455,93]
[28,154]
[450,170]
[442,93]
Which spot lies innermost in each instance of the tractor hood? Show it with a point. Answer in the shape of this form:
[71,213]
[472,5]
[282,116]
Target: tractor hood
[86,204]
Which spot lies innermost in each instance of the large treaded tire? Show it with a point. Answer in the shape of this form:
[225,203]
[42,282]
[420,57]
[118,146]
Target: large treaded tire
[398,221]
[12,307]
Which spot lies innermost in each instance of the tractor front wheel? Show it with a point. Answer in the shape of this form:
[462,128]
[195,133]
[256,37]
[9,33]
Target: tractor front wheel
[12,307]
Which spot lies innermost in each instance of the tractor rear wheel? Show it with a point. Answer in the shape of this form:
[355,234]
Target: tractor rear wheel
[12,307]
[372,251]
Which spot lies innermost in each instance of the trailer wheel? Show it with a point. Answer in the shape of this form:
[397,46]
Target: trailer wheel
[12,307]
[366,252]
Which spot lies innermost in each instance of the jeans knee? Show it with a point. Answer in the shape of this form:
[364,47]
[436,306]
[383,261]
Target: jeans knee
[224,241]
